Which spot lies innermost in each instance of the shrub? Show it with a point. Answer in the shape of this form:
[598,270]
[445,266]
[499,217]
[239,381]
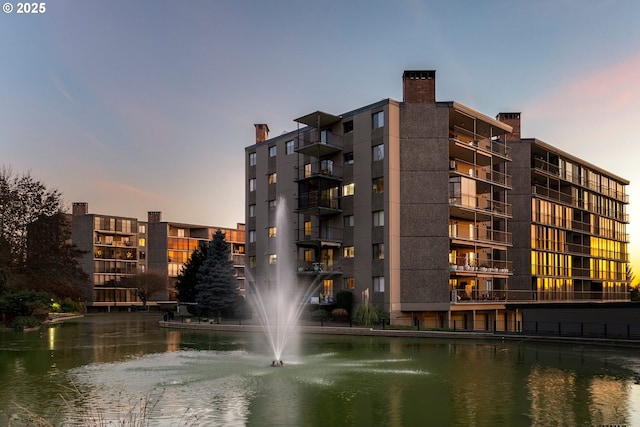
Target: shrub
[20,323]
[340,314]
[320,315]
[69,306]
[368,315]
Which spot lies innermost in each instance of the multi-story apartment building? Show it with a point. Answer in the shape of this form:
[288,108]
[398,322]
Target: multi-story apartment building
[116,247]
[570,240]
[411,202]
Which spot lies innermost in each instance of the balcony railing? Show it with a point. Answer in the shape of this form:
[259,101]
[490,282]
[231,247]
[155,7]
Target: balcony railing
[320,169]
[461,296]
[465,137]
[538,190]
[318,267]
[316,235]
[484,173]
[478,234]
[480,203]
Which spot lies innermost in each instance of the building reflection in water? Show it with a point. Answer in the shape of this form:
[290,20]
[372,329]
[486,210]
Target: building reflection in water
[563,397]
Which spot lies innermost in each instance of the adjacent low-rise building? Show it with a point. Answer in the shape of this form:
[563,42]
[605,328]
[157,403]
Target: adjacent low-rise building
[116,247]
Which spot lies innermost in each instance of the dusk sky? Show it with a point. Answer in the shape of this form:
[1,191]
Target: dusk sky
[147,105]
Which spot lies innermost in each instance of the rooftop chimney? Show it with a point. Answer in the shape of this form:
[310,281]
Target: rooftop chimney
[80,208]
[262,132]
[513,120]
[154,217]
[419,86]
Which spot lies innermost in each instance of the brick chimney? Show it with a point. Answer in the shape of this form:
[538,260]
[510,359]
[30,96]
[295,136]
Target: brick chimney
[419,86]
[154,217]
[513,120]
[80,208]
[262,132]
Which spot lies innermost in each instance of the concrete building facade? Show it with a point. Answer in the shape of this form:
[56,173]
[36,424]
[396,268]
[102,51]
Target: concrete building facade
[414,205]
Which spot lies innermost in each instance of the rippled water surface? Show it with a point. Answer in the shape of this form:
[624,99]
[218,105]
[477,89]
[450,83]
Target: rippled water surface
[124,368]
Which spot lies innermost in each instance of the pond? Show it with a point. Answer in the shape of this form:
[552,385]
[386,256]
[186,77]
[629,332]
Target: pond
[123,368]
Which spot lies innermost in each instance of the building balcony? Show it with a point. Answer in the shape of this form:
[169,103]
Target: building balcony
[476,234]
[568,199]
[484,173]
[327,237]
[466,267]
[467,139]
[312,203]
[323,169]
[481,205]
[318,268]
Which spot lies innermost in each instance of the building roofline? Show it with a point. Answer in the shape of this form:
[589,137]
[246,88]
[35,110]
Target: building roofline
[475,113]
[572,157]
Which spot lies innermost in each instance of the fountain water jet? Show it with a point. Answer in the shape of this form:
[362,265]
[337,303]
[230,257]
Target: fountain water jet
[278,300]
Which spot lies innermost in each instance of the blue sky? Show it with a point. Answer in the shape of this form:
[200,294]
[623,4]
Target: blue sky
[145,105]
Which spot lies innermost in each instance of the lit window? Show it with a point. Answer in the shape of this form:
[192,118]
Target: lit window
[307,170]
[377,119]
[273,258]
[308,255]
[252,211]
[349,282]
[272,178]
[252,262]
[273,151]
[142,242]
[378,219]
[290,147]
[272,232]
[142,228]
[348,252]
[378,251]
[252,184]
[307,228]
[378,152]
[348,189]
[378,284]
[252,159]
[378,185]
[348,221]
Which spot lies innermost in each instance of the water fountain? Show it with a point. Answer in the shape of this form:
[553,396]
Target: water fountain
[278,300]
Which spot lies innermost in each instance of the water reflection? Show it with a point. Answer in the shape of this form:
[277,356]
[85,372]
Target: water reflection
[225,379]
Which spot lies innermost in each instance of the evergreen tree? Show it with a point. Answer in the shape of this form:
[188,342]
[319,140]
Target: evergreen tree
[217,287]
[188,276]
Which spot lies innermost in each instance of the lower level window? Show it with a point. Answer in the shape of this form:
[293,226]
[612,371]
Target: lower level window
[378,284]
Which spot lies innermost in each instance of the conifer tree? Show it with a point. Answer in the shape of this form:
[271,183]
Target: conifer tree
[188,276]
[217,287]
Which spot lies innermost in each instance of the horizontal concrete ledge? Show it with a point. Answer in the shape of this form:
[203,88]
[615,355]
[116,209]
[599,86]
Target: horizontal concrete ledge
[368,332]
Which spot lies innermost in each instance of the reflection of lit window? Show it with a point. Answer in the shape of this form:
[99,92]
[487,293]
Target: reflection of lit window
[273,258]
[272,231]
